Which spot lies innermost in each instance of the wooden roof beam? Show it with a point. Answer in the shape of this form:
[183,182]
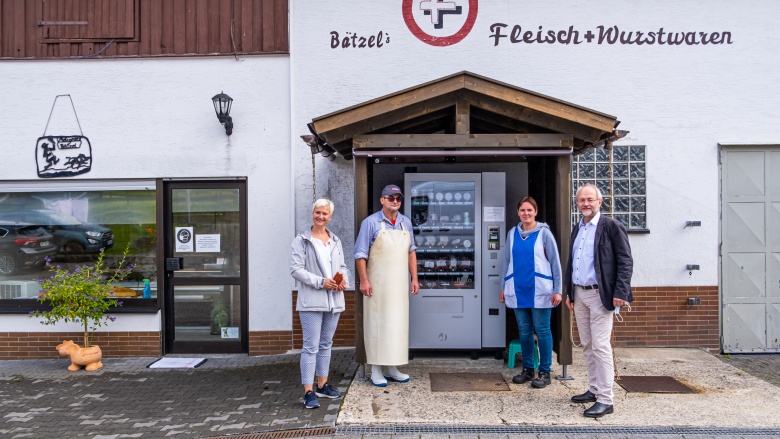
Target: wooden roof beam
[387,104]
[534,117]
[413,125]
[423,141]
[416,110]
[553,107]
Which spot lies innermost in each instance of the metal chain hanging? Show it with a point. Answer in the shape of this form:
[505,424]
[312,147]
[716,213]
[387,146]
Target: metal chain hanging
[313,178]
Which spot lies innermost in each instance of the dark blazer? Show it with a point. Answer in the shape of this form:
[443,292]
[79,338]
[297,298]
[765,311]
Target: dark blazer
[614,264]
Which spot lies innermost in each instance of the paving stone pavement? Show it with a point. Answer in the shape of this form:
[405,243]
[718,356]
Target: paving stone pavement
[240,396]
[226,395]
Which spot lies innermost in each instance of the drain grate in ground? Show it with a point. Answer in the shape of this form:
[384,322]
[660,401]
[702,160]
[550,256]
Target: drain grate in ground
[653,384]
[468,382]
[284,434]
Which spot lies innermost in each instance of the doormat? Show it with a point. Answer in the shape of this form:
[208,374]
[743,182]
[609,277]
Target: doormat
[177,363]
[653,384]
[468,382]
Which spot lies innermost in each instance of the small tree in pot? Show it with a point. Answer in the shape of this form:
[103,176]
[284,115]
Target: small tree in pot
[82,296]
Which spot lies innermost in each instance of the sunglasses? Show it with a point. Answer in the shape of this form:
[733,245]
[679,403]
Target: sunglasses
[395,199]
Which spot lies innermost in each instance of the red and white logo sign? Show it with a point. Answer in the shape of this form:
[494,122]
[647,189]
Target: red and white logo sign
[440,22]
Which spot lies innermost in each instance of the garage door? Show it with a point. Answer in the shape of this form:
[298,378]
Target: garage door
[750,256]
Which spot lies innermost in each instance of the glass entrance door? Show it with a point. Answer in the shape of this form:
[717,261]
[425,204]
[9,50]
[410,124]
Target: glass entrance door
[205,267]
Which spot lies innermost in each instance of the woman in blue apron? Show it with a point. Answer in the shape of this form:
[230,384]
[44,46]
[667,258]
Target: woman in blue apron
[532,287]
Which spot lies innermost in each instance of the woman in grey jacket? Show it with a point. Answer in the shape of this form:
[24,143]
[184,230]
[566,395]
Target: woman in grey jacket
[321,278]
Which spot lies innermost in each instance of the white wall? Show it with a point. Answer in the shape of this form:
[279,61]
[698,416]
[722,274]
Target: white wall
[680,101]
[153,118]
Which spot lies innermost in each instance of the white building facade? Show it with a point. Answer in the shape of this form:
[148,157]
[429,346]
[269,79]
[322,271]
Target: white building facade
[691,81]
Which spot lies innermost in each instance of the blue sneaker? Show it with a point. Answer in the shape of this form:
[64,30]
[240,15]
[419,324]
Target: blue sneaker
[327,391]
[310,400]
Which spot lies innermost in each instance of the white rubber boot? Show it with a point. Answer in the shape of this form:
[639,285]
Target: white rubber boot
[392,374]
[377,378]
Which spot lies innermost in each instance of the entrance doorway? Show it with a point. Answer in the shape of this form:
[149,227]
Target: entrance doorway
[205,267]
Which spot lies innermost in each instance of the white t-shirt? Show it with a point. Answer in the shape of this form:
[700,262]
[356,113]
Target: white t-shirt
[323,251]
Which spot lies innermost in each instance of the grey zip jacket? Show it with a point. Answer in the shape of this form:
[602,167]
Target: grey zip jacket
[306,269]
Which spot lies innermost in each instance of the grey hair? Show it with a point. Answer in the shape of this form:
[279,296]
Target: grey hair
[322,202]
[592,186]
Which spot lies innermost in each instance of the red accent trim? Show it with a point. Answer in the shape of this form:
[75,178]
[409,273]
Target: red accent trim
[406,9]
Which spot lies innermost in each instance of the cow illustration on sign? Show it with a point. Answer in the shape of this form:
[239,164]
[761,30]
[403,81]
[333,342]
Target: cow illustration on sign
[63,156]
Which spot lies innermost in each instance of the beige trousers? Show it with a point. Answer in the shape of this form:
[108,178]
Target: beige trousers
[594,323]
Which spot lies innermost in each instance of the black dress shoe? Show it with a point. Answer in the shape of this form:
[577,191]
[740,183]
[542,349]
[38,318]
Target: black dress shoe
[585,397]
[598,410]
[525,376]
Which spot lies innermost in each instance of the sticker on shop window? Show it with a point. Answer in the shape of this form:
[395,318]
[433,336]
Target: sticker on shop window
[230,332]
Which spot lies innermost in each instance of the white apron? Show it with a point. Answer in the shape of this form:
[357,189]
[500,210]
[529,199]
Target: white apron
[386,312]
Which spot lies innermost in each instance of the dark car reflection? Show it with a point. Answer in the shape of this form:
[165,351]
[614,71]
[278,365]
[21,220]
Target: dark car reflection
[24,246]
[71,236]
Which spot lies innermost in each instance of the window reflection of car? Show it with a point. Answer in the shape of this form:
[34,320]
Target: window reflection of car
[71,235]
[24,246]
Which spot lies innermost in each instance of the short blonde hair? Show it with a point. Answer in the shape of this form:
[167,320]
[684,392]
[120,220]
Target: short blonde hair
[322,202]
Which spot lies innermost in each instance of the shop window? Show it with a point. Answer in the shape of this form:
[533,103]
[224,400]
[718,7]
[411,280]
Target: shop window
[622,184]
[70,227]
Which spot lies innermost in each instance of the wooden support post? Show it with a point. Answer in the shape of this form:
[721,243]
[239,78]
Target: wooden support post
[563,220]
[462,117]
[361,211]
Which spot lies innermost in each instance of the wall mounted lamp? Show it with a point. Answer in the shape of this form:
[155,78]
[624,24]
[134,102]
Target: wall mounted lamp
[222,104]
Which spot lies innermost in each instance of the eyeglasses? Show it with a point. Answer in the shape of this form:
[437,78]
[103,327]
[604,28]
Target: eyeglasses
[394,199]
[586,200]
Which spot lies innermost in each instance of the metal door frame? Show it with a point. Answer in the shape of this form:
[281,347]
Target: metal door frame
[165,217]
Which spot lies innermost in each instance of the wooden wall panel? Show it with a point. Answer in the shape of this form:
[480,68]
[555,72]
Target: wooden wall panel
[35,29]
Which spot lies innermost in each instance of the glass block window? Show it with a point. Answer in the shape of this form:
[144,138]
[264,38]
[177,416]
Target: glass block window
[628,203]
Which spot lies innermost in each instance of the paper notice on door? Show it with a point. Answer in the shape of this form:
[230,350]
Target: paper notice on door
[493,214]
[184,242]
[207,243]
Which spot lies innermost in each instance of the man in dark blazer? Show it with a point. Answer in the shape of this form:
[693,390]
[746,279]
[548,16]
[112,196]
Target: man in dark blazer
[597,281]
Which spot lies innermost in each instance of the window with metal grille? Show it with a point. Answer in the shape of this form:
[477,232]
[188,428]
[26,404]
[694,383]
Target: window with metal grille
[621,179]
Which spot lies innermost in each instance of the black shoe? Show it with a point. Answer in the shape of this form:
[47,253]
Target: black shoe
[598,410]
[541,381]
[585,397]
[526,375]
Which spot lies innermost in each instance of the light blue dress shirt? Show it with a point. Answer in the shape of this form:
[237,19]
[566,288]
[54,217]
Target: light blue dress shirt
[370,228]
[584,272]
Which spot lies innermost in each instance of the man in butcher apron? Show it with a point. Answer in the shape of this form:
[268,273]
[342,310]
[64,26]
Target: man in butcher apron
[385,255]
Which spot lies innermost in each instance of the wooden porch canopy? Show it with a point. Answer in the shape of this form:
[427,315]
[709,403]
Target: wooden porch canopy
[466,112]
[479,119]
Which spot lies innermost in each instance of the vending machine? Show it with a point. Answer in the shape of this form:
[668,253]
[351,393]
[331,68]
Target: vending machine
[459,228]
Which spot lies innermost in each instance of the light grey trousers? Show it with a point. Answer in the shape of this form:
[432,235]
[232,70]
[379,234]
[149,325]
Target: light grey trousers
[594,323]
[318,329]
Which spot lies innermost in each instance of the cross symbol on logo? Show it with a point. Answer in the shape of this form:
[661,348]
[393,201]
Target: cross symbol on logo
[437,8]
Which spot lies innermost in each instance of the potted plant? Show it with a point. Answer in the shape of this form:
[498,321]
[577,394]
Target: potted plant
[219,317]
[82,295]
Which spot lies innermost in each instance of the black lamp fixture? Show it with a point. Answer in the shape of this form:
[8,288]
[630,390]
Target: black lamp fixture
[222,104]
